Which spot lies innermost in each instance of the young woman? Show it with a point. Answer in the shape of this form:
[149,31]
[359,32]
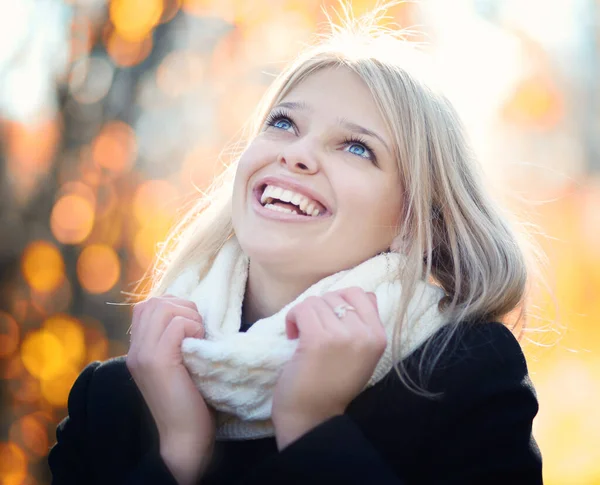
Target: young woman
[332,312]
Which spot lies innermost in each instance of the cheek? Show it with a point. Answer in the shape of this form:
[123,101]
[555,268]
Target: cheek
[373,204]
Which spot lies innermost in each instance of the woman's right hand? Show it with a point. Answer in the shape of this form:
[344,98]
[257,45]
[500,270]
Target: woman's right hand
[185,423]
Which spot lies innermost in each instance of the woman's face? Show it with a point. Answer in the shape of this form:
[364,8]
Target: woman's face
[325,150]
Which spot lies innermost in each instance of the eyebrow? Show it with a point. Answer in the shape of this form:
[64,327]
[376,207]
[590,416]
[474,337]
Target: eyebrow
[302,106]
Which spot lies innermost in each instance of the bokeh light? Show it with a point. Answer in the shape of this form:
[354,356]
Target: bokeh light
[13,464]
[30,433]
[56,390]
[70,333]
[98,268]
[115,147]
[72,219]
[43,266]
[9,335]
[134,19]
[43,354]
[128,53]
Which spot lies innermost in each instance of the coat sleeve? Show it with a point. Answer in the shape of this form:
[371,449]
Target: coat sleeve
[69,459]
[480,432]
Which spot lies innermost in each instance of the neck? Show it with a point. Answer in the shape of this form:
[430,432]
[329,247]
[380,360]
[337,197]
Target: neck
[267,293]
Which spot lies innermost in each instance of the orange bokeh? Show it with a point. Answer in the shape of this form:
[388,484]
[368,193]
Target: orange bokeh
[13,464]
[536,102]
[42,266]
[72,219]
[135,19]
[56,390]
[30,433]
[43,354]
[154,198]
[29,150]
[69,332]
[76,187]
[115,147]
[145,243]
[126,53]
[9,335]
[98,268]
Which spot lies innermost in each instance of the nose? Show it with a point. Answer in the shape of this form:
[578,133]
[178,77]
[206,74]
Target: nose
[299,157]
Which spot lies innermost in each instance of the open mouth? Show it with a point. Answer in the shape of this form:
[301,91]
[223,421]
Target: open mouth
[288,201]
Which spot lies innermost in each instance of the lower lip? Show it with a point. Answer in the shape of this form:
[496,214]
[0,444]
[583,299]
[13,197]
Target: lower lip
[281,216]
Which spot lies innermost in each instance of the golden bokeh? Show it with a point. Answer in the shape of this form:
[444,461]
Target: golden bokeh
[70,333]
[135,19]
[115,147]
[56,390]
[42,266]
[72,219]
[145,243]
[98,268]
[9,335]
[13,464]
[44,355]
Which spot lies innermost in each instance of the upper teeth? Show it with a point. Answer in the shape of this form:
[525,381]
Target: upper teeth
[308,206]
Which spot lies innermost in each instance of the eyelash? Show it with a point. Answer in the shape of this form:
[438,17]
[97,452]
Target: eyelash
[278,115]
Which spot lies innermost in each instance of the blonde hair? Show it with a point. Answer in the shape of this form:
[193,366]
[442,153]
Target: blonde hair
[450,230]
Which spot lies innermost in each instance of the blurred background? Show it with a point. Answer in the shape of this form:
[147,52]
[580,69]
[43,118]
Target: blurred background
[112,113]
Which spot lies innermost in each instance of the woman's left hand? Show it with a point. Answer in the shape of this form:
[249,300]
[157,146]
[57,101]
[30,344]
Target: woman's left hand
[334,360]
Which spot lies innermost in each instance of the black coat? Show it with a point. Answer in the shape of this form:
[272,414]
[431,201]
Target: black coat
[479,432]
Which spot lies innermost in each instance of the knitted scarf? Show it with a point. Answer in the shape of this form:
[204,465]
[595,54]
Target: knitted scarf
[236,371]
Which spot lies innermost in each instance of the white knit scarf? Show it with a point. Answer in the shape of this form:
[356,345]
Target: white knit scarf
[236,371]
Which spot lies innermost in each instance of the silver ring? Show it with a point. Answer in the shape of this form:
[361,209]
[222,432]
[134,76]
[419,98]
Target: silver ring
[340,310]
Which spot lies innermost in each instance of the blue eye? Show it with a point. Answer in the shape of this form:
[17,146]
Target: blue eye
[283,124]
[280,120]
[357,149]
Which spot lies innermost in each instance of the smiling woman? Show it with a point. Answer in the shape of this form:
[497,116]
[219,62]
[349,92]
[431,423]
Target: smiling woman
[334,311]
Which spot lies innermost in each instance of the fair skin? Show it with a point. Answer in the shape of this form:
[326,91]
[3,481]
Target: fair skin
[311,141]
[308,144]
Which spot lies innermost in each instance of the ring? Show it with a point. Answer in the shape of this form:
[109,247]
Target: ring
[340,310]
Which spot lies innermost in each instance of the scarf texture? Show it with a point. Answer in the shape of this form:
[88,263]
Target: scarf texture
[236,372]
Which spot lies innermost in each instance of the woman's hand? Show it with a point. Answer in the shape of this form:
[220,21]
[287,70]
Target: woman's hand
[334,360]
[185,423]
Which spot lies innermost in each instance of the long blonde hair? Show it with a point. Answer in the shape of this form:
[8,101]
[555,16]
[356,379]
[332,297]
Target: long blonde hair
[450,230]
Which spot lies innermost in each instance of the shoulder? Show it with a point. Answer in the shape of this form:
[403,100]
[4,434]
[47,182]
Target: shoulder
[466,368]
[472,354]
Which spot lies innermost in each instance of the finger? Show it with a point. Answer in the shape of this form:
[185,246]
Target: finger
[302,321]
[181,301]
[169,344]
[332,301]
[158,318]
[363,303]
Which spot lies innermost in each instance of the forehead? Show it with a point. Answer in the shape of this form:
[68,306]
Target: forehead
[337,92]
